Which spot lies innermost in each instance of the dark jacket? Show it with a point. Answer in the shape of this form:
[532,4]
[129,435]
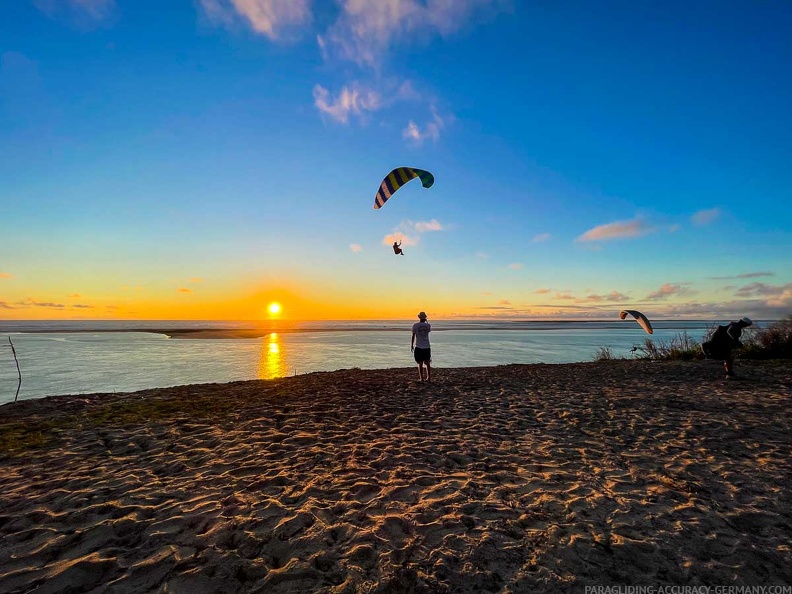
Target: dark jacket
[723,340]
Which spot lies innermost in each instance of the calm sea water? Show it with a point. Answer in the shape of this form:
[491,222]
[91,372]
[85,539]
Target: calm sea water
[85,357]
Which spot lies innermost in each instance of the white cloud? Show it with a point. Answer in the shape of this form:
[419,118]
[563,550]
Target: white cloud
[400,237]
[354,100]
[408,232]
[433,225]
[704,217]
[541,237]
[515,265]
[430,131]
[267,17]
[366,29]
[616,230]
[356,247]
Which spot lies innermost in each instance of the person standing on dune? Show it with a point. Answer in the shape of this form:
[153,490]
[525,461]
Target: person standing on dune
[419,345]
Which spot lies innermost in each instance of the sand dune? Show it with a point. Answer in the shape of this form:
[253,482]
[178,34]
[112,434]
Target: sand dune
[509,479]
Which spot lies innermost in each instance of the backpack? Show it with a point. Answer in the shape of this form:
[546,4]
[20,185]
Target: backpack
[717,347]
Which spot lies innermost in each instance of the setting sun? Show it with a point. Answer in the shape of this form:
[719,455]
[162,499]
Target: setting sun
[274,308]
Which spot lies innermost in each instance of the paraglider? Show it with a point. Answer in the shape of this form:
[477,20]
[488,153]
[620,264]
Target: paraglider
[396,179]
[639,317]
[397,248]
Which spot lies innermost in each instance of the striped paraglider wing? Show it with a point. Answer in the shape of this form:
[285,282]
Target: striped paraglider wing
[396,179]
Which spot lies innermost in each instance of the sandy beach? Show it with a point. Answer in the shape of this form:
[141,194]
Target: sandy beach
[520,478]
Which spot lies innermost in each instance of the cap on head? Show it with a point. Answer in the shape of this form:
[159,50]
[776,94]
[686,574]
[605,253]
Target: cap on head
[422,315]
[746,321]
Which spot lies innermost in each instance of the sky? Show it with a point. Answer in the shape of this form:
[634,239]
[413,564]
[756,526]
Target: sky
[202,159]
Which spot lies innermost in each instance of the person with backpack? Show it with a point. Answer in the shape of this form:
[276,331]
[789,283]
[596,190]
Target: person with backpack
[723,341]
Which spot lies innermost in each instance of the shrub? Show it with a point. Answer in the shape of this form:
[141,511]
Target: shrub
[680,348]
[604,354]
[773,342]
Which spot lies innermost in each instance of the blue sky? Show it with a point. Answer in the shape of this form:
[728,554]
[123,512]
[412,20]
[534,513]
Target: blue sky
[204,159]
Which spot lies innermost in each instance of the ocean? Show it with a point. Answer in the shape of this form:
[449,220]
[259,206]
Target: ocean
[78,357]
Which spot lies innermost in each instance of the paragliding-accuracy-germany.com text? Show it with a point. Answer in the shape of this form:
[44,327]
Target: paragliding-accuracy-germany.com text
[688,590]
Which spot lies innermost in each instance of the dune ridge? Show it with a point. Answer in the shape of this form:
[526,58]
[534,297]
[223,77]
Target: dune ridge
[519,478]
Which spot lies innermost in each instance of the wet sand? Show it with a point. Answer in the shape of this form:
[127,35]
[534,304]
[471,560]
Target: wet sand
[520,478]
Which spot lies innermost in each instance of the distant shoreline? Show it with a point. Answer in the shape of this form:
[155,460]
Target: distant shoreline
[203,333]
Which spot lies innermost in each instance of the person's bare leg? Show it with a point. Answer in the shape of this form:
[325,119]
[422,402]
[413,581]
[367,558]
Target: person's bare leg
[728,366]
[420,372]
[428,371]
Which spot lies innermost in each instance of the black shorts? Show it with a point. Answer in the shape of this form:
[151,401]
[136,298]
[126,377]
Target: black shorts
[422,355]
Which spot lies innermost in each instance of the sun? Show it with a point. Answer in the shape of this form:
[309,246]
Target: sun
[274,308]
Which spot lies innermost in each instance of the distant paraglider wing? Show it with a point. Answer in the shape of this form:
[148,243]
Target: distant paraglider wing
[639,317]
[396,179]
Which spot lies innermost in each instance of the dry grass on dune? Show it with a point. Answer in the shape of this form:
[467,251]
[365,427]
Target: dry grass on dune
[506,479]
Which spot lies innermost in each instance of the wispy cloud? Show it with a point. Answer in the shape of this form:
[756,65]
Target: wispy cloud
[266,17]
[617,230]
[424,226]
[400,237]
[669,290]
[430,130]
[704,217]
[184,290]
[354,100]
[90,10]
[541,237]
[746,275]
[6,275]
[48,304]
[366,29]
[356,247]
[196,280]
[504,302]
[543,291]
[6,305]
[566,295]
[774,294]
[613,296]
[515,266]
[74,296]
[408,232]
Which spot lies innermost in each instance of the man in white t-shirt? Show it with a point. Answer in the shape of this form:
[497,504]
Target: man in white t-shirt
[419,345]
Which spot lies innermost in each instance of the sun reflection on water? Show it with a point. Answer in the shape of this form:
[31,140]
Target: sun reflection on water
[272,362]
